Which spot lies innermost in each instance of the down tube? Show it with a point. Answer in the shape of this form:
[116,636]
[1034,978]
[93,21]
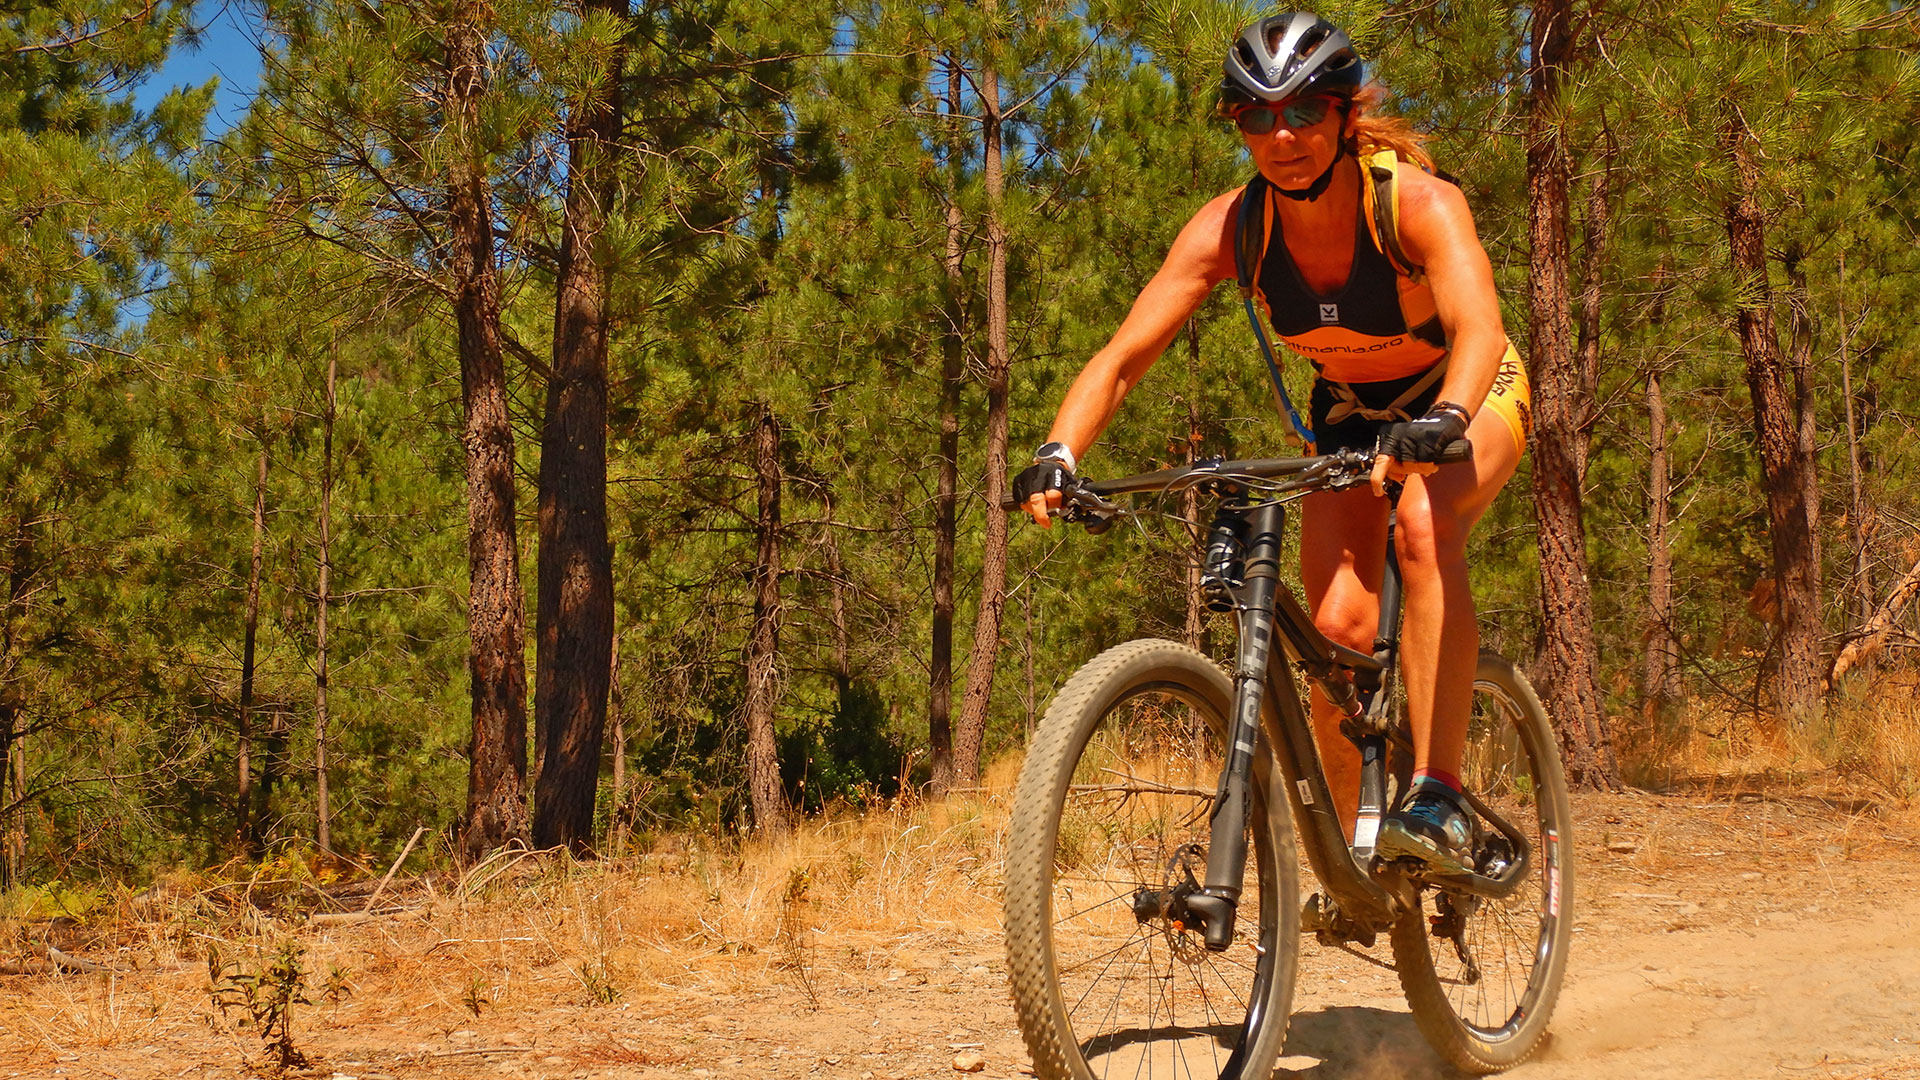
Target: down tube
[1291,733]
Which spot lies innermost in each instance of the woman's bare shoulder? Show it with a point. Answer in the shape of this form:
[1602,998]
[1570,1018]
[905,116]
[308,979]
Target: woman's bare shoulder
[1205,244]
[1433,214]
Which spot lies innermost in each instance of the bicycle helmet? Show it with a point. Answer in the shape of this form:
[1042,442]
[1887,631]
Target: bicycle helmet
[1284,56]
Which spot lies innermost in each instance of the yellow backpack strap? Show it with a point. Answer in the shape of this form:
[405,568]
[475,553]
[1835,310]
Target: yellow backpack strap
[1381,196]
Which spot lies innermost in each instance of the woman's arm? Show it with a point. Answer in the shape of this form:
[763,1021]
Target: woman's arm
[1201,257]
[1437,230]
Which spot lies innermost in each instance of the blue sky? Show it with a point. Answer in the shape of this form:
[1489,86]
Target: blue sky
[227,50]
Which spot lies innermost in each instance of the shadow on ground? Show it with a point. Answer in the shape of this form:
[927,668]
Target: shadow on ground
[1353,1042]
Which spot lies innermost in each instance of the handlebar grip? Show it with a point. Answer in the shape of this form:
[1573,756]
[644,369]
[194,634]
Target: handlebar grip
[1456,451]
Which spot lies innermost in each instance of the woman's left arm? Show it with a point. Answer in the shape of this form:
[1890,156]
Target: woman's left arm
[1436,229]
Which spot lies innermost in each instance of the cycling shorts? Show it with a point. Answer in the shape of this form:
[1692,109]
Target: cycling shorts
[1350,416]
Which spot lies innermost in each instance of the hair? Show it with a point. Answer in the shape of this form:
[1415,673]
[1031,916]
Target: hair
[1373,131]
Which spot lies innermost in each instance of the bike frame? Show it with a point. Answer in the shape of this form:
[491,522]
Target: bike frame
[1275,634]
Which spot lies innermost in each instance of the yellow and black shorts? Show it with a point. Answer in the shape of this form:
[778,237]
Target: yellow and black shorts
[1349,416]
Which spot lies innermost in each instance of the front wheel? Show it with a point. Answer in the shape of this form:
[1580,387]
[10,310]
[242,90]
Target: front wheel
[1109,835]
[1481,976]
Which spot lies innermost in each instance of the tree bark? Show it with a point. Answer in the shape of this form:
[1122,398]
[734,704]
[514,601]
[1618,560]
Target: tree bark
[243,750]
[1195,630]
[1784,427]
[1858,511]
[497,751]
[1599,220]
[1657,682]
[574,621]
[617,710]
[323,813]
[13,833]
[769,801]
[970,732]
[837,605]
[946,498]
[1572,673]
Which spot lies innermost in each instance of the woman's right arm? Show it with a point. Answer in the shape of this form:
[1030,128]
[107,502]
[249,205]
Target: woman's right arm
[1201,257]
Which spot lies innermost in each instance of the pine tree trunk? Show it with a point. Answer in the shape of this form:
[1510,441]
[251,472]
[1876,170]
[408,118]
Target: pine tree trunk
[970,732]
[323,812]
[273,762]
[496,662]
[1599,219]
[1858,511]
[574,622]
[946,499]
[1195,630]
[837,606]
[1572,674]
[1783,425]
[617,709]
[1657,682]
[770,812]
[243,751]
[12,785]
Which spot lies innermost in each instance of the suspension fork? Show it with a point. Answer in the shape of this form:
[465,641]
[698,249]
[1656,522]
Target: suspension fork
[1215,905]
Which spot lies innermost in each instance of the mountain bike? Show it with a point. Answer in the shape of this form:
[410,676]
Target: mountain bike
[1152,910]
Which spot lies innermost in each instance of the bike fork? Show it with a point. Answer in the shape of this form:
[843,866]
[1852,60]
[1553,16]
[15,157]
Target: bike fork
[1215,904]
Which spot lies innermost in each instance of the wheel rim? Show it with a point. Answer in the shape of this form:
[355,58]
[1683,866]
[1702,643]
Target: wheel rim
[1142,996]
[1494,987]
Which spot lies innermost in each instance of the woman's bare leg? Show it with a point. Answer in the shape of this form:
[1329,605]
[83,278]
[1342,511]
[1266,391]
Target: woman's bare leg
[1440,640]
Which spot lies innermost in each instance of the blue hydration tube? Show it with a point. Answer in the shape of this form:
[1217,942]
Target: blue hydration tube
[1273,370]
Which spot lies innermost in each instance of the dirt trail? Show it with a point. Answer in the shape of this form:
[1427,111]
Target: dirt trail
[1716,938]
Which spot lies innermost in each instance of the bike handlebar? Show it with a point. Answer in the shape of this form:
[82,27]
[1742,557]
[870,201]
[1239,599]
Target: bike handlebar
[1320,472]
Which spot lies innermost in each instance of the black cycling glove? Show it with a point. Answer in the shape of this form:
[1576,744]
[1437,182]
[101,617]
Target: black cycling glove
[1040,477]
[1425,438]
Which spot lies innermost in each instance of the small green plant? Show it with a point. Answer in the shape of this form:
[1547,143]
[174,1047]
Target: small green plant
[268,997]
[475,996]
[597,980]
[337,986]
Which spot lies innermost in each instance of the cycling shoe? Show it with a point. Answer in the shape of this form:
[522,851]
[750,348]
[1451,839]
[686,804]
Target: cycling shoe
[1432,827]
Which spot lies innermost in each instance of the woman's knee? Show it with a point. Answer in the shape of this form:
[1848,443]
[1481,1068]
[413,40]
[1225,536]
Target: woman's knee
[1426,538]
[1348,621]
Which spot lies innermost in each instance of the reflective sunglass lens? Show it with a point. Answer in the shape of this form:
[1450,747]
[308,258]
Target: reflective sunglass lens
[1255,121]
[1306,112]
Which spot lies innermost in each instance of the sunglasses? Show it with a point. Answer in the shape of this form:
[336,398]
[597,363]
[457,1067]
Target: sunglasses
[1301,112]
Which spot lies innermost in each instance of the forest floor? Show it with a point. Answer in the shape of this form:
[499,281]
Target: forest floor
[1725,928]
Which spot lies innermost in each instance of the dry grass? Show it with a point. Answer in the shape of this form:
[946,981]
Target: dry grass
[696,918]
[1863,750]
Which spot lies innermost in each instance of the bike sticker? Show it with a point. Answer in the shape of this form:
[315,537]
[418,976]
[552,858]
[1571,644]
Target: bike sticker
[1365,831]
[1306,793]
[1553,875]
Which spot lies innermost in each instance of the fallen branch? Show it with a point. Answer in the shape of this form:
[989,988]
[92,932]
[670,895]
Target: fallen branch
[52,961]
[404,852]
[349,918]
[1873,633]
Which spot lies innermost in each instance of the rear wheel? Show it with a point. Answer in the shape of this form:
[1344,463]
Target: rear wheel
[1482,975]
[1109,834]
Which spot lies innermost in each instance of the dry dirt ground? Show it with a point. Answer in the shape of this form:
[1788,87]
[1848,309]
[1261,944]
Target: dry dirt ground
[1718,935]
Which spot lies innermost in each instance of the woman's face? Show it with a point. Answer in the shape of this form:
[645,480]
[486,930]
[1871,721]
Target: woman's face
[1300,139]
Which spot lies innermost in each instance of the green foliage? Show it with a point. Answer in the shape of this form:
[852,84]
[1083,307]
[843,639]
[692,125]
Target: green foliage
[268,996]
[791,183]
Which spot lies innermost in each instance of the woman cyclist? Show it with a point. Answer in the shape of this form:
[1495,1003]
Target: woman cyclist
[1410,355]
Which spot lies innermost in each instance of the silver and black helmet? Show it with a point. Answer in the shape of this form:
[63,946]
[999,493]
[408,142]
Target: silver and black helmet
[1284,56]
